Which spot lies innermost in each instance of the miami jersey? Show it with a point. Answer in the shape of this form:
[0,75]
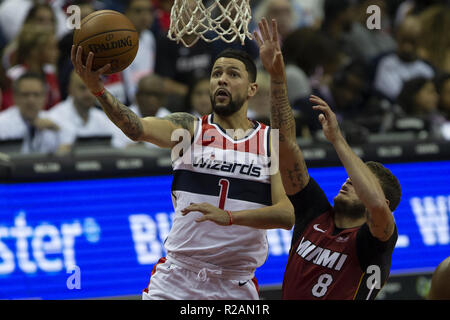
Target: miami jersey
[232,175]
[326,262]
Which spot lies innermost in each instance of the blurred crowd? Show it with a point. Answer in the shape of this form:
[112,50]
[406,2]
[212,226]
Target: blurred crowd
[382,65]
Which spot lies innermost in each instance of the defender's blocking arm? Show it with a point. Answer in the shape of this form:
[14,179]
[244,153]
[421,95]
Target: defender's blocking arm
[292,164]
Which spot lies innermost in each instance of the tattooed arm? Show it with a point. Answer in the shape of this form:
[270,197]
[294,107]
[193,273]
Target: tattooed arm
[293,168]
[155,130]
[150,129]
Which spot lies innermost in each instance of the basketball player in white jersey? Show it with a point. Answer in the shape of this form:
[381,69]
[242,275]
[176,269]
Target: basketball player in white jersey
[210,255]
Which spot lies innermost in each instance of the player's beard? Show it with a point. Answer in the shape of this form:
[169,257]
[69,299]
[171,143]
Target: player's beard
[229,109]
[351,209]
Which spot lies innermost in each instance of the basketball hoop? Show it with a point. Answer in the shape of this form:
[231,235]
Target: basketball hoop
[209,20]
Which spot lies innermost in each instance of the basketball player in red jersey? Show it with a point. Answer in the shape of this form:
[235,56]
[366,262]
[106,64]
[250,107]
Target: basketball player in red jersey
[342,251]
[217,258]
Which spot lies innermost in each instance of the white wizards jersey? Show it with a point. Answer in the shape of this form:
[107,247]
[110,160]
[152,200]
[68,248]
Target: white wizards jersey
[229,174]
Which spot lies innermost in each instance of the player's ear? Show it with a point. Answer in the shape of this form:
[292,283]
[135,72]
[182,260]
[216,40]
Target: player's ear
[252,89]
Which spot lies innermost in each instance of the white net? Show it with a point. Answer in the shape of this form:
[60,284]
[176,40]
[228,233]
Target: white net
[209,20]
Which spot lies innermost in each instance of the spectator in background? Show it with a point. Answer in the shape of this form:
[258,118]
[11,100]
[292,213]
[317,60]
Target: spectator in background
[346,94]
[282,11]
[27,120]
[198,99]
[162,16]
[338,19]
[394,69]
[419,100]
[311,59]
[151,97]
[366,44]
[141,14]
[259,106]
[40,15]
[443,89]
[178,64]
[37,52]
[14,14]
[434,42]
[79,112]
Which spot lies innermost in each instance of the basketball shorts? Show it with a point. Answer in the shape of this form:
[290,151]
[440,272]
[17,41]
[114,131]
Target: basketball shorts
[172,282]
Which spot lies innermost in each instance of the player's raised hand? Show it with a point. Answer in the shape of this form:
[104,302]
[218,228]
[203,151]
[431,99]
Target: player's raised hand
[91,78]
[269,49]
[327,119]
[210,213]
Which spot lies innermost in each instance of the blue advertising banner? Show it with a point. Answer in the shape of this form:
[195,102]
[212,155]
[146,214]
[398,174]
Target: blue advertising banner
[101,238]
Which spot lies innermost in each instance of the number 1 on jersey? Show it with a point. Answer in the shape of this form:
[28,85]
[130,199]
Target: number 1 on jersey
[224,185]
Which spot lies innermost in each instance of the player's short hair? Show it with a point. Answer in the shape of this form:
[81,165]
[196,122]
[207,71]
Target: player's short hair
[26,76]
[242,56]
[389,183]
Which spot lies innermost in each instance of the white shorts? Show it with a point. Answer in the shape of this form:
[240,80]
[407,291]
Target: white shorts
[172,282]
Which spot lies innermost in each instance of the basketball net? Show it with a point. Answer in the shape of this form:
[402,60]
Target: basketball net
[209,20]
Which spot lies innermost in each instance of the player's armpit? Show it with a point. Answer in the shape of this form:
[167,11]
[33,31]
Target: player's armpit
[160,131]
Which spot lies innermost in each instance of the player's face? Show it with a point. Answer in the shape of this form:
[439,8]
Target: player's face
[347,201]
[229,86]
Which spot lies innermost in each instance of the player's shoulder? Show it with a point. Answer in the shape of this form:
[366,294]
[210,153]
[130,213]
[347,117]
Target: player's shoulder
[182,119]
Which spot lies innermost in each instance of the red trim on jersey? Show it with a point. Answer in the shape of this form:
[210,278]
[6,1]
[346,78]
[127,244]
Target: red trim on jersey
[213,137]
[162,260]
[255,282]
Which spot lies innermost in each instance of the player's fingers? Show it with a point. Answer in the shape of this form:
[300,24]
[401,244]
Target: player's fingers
[258,38]
[202,218]
[263,30]
[104,69]
[72,54]
[89,61]
[194,207]
[266,26]
[274,30]
[322,119]
[317,100]
[79,63]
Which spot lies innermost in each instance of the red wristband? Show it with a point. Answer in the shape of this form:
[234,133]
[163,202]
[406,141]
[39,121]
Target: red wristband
[231,217]
[98,94]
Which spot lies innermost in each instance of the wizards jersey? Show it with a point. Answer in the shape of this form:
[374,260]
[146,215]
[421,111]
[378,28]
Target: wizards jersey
[232,175]
[330,263]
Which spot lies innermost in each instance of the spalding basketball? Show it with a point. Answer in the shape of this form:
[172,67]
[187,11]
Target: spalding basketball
[110,36]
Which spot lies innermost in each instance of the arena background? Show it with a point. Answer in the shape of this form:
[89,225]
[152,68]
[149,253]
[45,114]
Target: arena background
[90,224]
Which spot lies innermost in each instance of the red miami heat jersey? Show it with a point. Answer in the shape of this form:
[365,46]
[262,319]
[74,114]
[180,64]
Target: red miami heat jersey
[232,175]
[330,263]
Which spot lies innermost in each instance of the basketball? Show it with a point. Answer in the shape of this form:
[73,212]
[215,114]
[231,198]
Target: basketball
[112,38]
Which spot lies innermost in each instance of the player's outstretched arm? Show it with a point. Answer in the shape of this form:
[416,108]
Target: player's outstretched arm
[151,129]
[379,218]
[279,215]
[292,164]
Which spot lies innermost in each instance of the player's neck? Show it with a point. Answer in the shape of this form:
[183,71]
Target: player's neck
[344,221]
[236,121]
